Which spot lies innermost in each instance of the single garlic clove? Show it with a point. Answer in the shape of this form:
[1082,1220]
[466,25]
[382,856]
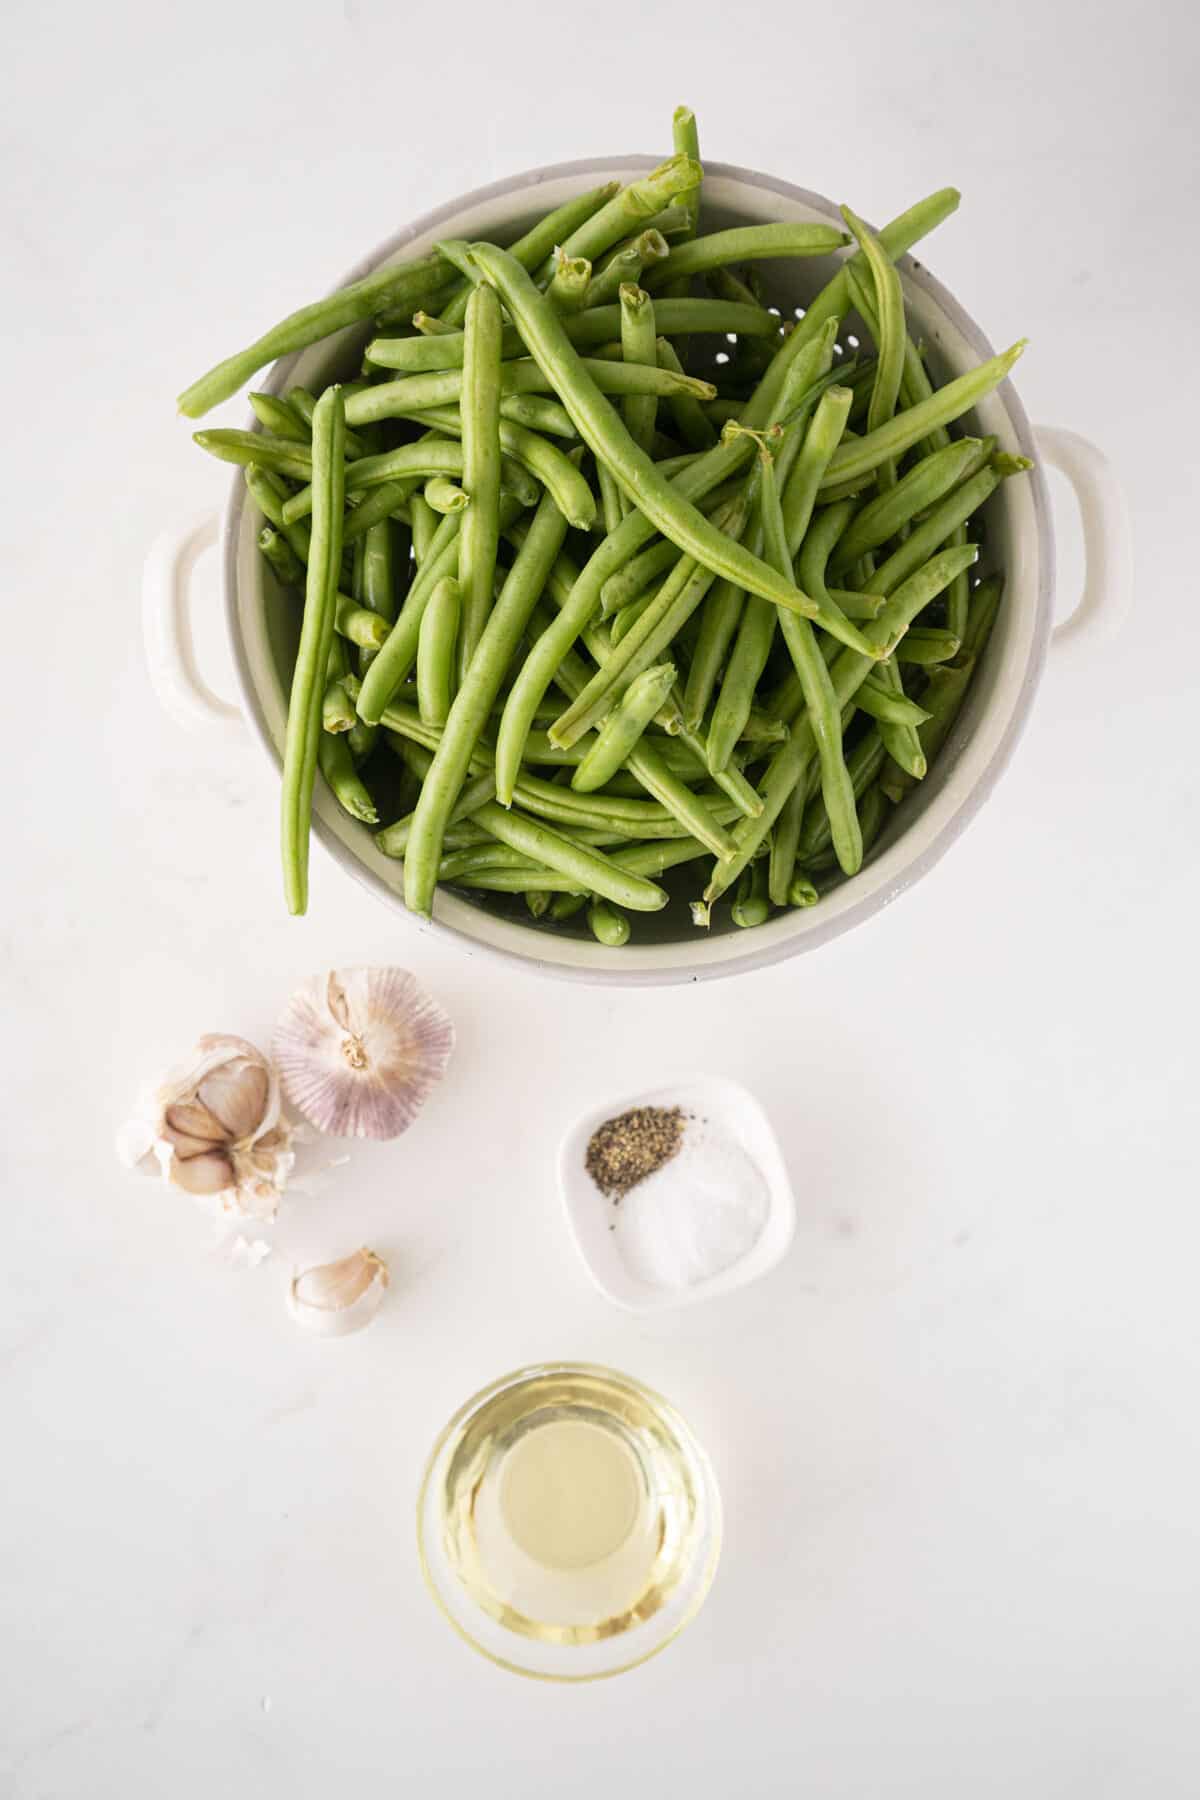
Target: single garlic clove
[211,1173]
[192,1119]
[337,1298]
[359,1050]
[236,1095]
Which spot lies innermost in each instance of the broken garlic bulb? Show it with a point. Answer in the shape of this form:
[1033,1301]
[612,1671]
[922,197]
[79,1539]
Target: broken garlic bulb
[360,1049]
[214,1128]
[339,1297]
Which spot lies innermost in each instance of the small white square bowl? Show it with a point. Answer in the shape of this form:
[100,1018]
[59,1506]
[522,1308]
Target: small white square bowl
[589,1212]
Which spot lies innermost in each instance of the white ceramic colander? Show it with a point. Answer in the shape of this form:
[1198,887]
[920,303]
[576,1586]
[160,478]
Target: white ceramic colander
[666,947]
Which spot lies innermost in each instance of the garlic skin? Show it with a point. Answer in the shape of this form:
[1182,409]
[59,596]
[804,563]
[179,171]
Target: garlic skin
[214,1127]
[337,1298]
[359,1050]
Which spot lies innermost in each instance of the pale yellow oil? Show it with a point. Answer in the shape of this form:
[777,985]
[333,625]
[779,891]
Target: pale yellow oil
[571,1506]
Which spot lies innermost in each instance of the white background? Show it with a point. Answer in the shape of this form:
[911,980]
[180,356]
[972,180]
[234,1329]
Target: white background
[957,1432]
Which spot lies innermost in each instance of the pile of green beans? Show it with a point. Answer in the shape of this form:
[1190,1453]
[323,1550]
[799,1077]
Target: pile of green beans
[585,598]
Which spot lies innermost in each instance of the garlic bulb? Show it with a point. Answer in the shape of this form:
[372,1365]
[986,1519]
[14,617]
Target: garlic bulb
[339,1297]
[359,1050]
[213,1127]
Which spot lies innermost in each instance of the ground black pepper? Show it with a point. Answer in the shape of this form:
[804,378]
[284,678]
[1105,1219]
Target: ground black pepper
[624,1150]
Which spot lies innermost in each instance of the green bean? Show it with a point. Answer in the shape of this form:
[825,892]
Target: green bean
[359,624]
[532,249]
[280,418]
[624,726]
[437,639]
[791,761]
[902,742]
[823,706]
[602,431]
[589,329]
[612,501]
[926,646]
[890,335]
[907,428]
[751,906]
[674,752]
[937,526]
[924,484]
[524,881]
[281,556]
[416,394]
[746,243]
[628,616]
[415,281]
[685,136]
[802,892]
[337,708]
[393,840]
[907,229]
[444,495]
[379,570]
[672,221]
[424,524]
[429,325]
[820,443]
[336,764]
[743,671]
[639,345]
[784,840]
[656,857]
[882,702]
[569,286]
[480,684]
[388,501]
[625,265]
[649,764]
[856,606]
[691,425]
[280,455]
[607,925]
[269,492]
[303,732]
[565,906]
[537,413]
[473,860]
[630,208]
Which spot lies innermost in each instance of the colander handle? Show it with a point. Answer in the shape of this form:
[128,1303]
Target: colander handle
[1107,539]
[167,627]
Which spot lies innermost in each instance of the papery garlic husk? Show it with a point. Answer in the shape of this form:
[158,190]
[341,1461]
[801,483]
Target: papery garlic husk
[214,1127]
[336,1298]
[360,1049]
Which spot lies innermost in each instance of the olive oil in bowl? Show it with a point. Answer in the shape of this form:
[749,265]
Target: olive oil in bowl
[569,1523]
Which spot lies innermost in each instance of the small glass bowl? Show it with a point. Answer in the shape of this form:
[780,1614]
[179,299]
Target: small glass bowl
[681,1522]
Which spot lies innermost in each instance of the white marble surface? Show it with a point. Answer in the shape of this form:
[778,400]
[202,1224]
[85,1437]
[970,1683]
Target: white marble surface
[957,1429]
